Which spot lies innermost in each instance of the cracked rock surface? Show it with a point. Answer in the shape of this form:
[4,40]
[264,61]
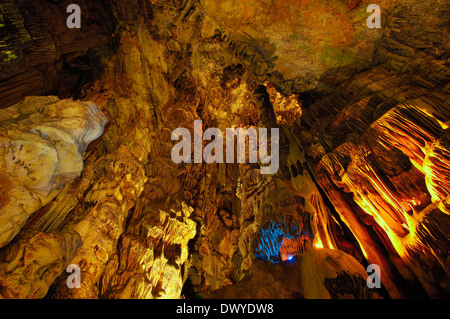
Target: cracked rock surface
[86,174]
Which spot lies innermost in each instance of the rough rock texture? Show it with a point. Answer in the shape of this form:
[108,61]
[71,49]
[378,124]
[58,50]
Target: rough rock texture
[42,142]
[328,273]
[378,147]
[152,253]
[108,202]
[364,145]
[33,260]
[299,40]
[266,281]
[316,274]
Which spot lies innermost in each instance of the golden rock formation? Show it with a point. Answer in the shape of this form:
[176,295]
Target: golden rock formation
[364,149]
[33,260]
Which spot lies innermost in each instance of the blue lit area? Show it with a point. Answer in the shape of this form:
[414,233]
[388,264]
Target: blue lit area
[270,239]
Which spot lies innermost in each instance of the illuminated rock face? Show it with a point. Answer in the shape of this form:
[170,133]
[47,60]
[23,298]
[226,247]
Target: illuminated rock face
[30,264]
[39,56]
[377,145]
[153,252]
[364,151]
[327,273]
[319,273]
[42,143]
[298,39]
[381,155]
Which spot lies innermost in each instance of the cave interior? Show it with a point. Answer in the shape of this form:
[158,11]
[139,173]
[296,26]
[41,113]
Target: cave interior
[88,178]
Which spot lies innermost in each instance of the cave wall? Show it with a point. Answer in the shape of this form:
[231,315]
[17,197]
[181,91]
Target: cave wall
[377,147]
[41,56]
[363,143]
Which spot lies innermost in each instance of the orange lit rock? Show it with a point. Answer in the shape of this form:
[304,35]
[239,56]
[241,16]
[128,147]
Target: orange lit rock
[293,247]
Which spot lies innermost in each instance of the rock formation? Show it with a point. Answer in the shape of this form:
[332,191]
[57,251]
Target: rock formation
[33,260]
[86,175]
[320,273]
[43,141]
